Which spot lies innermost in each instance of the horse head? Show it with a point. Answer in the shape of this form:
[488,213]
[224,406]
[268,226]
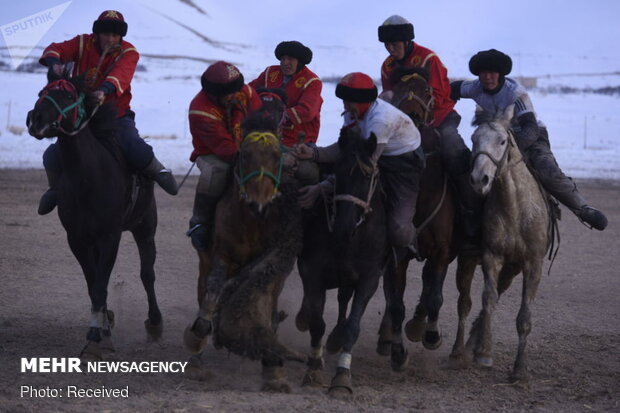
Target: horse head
[413,95]
[492,143]
[357,177]
[62,108]
[258,167]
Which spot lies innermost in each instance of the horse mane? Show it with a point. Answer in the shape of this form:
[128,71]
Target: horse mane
[482,117]
[402,71]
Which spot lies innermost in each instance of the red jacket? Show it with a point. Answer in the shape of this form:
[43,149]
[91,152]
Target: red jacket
[117,67]
[423,57]
[303,93]
[213,132]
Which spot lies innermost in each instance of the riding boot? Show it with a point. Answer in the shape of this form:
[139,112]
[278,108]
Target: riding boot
[577,203]
[592,216]
[49,199]
[201,222]
[156,171]
[470,210]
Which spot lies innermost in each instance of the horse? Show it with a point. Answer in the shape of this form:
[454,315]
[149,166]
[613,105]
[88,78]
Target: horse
[248,222]
[351,258]
[98,199]
[436,221]
[516,233]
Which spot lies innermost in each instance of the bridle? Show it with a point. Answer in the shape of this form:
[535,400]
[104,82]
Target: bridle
[75,111]
[502,161]
[367,170]
[267,139]
[427,107]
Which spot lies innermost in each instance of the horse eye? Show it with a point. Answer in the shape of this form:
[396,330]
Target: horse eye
[503,142]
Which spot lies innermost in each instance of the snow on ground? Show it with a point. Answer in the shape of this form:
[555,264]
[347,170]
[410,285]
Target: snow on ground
[583,126]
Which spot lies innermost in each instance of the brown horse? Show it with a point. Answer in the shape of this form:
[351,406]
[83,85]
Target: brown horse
[438,233]
[248,220]
[516,234]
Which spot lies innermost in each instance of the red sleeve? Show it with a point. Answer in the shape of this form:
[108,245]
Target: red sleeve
[209,136]
[65,51]
[309,104]
[259,81]
[124,68]
[385,76]
[439,79]
[254,102]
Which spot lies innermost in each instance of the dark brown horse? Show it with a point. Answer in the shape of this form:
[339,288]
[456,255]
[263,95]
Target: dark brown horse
[248,221]
[438,234]
[97,199]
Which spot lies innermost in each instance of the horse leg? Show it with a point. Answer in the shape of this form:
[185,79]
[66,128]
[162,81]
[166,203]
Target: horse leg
[316,362]
[394,283]
[480,339]
[531,279]
[399,356]
[434,274]
[144,235]
[414,328]
[464,275]
[336,337]
[341,383]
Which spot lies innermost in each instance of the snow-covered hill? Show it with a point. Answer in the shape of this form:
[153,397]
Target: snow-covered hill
[562,44]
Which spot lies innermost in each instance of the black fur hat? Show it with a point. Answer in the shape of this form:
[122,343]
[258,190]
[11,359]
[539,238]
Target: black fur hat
[396,29]
[294,49]
[492,61]
[110,21]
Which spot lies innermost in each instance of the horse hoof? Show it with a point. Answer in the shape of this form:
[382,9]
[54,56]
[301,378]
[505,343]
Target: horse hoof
[111,317]
[301,321]
[484,361]
[154,331]
[106,345]
[399,359]
[313,378]
[384,348]
[341,387]
[432,340]
[457,362]
[276,386]
[414,329]
[193,342]
[196,370]
[519,376]
[91,352]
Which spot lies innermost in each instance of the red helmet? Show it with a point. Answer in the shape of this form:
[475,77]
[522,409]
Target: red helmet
[110,21]
[221,78]
[357,87]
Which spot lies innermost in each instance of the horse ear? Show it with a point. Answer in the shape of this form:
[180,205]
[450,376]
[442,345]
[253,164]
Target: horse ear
[344,137]
[371,144]
[507,115]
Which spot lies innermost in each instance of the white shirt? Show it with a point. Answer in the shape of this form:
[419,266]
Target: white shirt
[391,127]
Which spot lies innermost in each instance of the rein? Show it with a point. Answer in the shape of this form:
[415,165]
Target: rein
[373,171]
[267,139]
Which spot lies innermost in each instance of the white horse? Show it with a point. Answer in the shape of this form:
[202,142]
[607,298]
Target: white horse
[516,232]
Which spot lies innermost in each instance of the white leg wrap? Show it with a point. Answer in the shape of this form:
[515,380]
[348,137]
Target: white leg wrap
[344,360]
[96,319]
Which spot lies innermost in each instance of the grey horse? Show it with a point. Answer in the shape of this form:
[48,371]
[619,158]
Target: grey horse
[516,233]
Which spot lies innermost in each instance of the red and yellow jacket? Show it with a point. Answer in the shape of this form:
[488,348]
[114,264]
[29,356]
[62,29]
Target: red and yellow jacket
[214,132]
[117,67]
[423,57]
[304,101]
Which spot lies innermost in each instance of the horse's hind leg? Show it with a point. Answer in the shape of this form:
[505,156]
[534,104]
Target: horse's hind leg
[337,336]
[144,235]
[464,276]
[316,325]
[531,279]
[434,274]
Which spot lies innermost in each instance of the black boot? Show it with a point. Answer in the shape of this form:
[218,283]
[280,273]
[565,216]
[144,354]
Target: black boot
[592,216]
[156,171]
[201,222]
[470,212]
[49,200]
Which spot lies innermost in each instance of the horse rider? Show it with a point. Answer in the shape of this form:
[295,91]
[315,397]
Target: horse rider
[108,63]
[215,117]
[302,117]
[398,155]
[494,91]
[397,34]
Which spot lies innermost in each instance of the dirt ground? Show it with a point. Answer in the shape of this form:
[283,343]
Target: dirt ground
[574,347]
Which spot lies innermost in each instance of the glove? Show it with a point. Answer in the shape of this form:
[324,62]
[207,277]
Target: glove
[304,151]
[99,95]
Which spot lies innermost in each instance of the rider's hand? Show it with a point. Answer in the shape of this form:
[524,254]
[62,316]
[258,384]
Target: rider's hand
[289,162]
[57,69]
[307,195]
[304,151]
[99,95]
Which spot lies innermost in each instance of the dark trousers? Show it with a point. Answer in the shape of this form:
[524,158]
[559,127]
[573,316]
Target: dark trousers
[455,154]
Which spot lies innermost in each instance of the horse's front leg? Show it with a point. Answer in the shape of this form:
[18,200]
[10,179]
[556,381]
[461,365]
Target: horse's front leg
[480,339]
[336,337]
[433,275]
[144,235]
[314,297]
[531,279]
[394,283]
[367,285]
